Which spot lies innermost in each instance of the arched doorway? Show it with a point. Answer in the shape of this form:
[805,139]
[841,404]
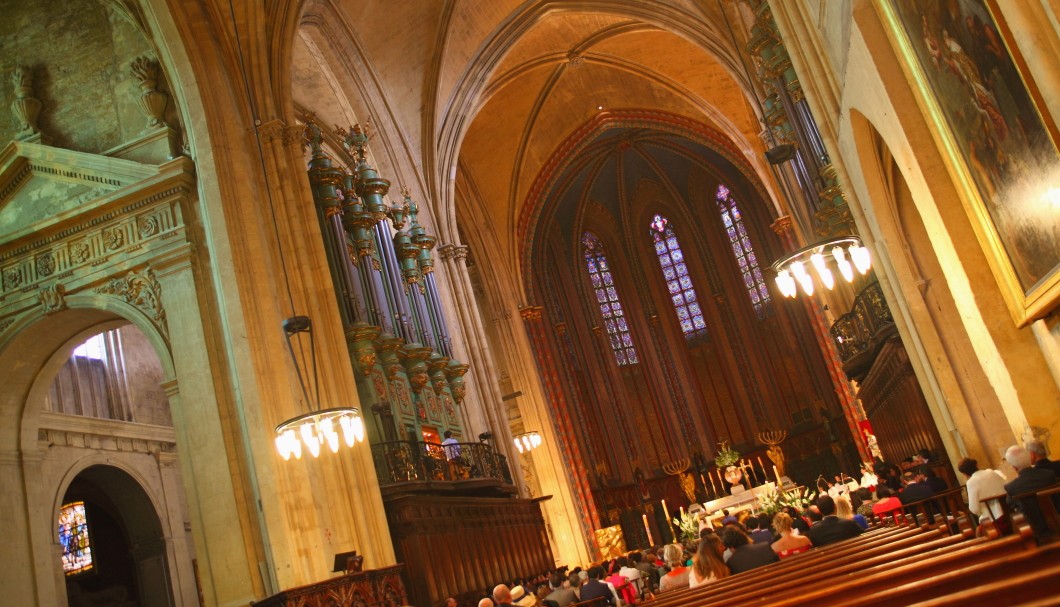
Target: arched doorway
[113,548]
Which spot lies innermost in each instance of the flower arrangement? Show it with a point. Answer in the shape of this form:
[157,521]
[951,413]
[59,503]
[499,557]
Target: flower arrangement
[726,456]
[688,526]
[775,501]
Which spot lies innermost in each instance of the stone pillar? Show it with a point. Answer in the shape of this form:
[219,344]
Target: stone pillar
[485,409]
[565,451]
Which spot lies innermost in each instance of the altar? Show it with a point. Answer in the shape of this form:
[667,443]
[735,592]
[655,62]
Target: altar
[748,499]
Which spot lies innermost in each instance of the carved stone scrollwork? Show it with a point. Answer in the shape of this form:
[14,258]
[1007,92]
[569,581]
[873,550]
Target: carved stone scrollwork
[142,290]
[53,298]
[45,264]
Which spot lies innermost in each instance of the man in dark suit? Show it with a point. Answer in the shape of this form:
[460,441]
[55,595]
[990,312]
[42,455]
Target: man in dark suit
[831,528]
[1030,479]
[916,487]
[1038,458]
[594,588]
[745,555]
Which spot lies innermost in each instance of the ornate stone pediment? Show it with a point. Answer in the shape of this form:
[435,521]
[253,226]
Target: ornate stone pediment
[42,185]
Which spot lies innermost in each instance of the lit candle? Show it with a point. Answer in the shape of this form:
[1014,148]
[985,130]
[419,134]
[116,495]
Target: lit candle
[647,530]
[682,512]
[713,489]
[762,468]
[669,523]
[777,474]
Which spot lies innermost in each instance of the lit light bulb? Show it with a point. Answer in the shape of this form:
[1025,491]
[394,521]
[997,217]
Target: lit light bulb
[786,283]
[281,446]
[519,445]
[822,270]
[358,428]
[348,436]
[536,439]
[310,438]
[841,262]
[860,257]
[804,279]
[327,431]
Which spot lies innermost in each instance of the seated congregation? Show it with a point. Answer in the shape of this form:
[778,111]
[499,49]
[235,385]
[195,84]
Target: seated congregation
[908,540]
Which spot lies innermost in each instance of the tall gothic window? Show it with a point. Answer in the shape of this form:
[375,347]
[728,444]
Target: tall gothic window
[607,299]
[741,248]
[678,282]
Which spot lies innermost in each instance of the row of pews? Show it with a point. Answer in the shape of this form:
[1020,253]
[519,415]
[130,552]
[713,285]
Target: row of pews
[924,554]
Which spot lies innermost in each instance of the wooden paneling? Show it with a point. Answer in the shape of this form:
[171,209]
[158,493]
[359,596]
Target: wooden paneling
[373,588]
[897,409]
[462,546]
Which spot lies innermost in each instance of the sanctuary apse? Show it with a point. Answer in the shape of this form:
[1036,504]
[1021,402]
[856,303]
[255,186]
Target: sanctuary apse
[600,189]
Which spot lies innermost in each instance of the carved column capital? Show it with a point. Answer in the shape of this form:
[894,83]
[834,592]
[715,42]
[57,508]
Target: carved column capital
[782,225]
[277,129]
[453,251]
[530,313]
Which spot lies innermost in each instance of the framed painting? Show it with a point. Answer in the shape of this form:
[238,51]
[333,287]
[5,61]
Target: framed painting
[991,123]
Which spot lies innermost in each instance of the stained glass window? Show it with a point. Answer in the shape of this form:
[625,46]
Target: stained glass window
[73,537]
[607,299]
[678,282]
[740,241]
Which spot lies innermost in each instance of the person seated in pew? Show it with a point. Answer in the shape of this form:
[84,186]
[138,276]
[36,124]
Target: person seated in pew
[937,483]
[761,533]
[845,510]
[745,555]
[831,529]
[631,573]
[980,484]
[678,574]
[623,589]
[916,487]
[867,502]
[888,504]
[708,566]
[1029,479]
[575,584]
[1039,458]
[560,596]
[594,588]
[789,543]
[799,525]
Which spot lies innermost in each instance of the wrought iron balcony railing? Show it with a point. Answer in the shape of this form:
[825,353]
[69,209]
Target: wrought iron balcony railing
[858,334]
[435,466]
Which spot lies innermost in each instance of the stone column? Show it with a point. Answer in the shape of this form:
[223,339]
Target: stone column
[562,447]
[484,410]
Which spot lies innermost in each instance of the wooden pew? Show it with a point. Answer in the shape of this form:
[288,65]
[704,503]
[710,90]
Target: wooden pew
[853,587]
[946,509]
[1037,587]
[938,578]
[856,550]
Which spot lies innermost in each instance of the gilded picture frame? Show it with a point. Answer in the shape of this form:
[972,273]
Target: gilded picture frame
[991,124]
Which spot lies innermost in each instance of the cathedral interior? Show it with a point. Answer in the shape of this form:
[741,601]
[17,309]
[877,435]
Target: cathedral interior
[258,259]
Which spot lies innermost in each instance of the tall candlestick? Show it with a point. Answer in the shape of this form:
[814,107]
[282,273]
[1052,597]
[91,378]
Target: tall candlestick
[669,523]
[647,530]
[777,475]
[762,468]
[712,487]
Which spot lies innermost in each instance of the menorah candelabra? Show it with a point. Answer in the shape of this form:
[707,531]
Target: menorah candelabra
[773,438]
[688,482]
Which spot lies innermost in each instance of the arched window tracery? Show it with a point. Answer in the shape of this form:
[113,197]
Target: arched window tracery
[678,282]
[746,260]
[615,323]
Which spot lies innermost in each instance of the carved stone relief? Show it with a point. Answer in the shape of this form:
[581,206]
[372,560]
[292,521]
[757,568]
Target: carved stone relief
[142,290]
